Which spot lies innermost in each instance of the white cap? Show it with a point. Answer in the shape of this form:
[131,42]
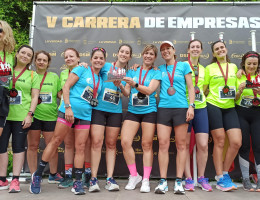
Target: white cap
[166,42]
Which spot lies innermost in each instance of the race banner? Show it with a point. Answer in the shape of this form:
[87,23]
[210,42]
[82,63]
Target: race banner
[60,25]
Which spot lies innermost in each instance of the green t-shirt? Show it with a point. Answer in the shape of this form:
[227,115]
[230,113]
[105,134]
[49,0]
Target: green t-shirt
[47,110]
[200,99]
[6,69]
[247,95]
[215,80]
[63,77]
[20,105]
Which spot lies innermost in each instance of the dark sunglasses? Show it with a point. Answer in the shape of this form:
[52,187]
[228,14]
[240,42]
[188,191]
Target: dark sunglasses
[1,30]
[99,48]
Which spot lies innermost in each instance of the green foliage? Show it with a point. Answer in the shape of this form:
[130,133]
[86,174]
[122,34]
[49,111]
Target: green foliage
[10,162]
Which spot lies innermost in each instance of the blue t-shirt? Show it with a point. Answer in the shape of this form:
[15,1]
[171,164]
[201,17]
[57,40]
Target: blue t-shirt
[179,99]
[110,95]
[81,93]
[149,106]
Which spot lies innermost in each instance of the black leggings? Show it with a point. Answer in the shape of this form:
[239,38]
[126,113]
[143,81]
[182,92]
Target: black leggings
[19,136]
[249,119]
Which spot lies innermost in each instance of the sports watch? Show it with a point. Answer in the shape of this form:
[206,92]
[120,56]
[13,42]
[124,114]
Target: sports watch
[192,105]
[67,105]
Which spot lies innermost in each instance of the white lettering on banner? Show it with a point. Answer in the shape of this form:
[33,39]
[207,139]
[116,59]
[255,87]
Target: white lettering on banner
[154,22]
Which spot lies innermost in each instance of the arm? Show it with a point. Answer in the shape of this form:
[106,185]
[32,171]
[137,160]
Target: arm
[190,112]
[240,90]
[206,90]
[240,72]
[72,79]
[59,94]
[28,119]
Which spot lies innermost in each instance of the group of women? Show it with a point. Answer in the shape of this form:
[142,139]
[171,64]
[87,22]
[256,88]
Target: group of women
[191,96]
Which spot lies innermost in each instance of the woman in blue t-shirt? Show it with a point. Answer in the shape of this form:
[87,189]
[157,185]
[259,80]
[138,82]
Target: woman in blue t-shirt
[142,109]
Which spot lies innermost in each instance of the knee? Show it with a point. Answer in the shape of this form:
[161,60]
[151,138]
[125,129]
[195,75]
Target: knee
[147,146]
[219,142]
[80,147]
[180,146]
[125,144]
[97,144]
[236,145]
[164,145]
[56,141]
[203,147]
[111,145]
[69,145]
[33,147]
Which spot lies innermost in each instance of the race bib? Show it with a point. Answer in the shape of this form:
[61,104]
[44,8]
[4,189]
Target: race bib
[230,95]
[140,102]
[46,97]
[87,94]
[199,97]
[111,96]
[246,101]
[16,100]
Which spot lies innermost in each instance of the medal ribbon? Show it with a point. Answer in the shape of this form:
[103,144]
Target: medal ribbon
[196,77]
[249,79]
[140,76]
[225,77]
[4,59]
[171,78]
[15,79]
[44,76]
[95,88]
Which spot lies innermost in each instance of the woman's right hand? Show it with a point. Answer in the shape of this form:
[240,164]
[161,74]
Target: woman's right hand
[242,87]
[135,67]
[83,64]
[240,72]
[69,117]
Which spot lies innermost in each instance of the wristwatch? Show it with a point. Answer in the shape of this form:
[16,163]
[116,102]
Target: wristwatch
[67,105]
[192,105]
[30,113]
[136,85]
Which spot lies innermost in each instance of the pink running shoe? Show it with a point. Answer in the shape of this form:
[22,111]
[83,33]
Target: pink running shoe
[4,185]
[14,186]
[204,184]
[189,184]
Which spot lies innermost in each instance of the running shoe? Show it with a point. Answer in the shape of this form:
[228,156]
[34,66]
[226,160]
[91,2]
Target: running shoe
[227,177]
[78,188]
[189,184]
[14,186]
[257,189]
[203,183]
[224,185]
[4,185]
[93,185]
[162,187]
[133,181]
[178,188]
[111,184]
[247,185]
[86,176]
[145,188]
[35,186]
[67,182]
[55,179]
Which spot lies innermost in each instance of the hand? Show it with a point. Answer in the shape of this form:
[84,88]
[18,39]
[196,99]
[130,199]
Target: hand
[242,87]
[135,67]
[117,83]
[257,90]
[190,114]
[130,81]
[69,117]
[84,64]
[240,73]
[27,122]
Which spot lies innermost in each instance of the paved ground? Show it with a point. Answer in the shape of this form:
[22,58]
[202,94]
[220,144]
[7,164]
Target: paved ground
[51,192]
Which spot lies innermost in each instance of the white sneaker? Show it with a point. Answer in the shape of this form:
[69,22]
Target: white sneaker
[162,187]
[133,181]
[111,185]
[178,188]
[145,186]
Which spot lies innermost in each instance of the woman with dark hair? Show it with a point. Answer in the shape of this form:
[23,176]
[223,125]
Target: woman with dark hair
[173,112]
[248,110]
[45,115]
[142,109]
[200,121]
[220,80]
[107,117]
[80,95]
[24,95]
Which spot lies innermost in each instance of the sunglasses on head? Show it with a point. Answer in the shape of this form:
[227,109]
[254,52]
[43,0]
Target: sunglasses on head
[1,30]
[99,48]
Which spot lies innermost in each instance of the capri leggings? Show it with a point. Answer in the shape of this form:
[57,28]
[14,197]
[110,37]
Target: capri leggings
[249,119]
[18,137]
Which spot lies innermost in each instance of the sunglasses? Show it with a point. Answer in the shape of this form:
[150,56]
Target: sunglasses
[99,48]
[1,30]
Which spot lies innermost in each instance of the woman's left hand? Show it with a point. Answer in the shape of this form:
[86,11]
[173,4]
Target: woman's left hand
[83,64]
[130,81]
[27,122]
[257,90]
[117,83]
[190,114]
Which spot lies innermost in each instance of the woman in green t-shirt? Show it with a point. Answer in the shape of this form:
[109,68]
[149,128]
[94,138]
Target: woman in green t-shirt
[7,44]
[45,115]
[248,110]
[220,79]
[24,95]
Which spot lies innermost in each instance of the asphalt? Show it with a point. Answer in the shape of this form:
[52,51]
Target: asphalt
[51,192]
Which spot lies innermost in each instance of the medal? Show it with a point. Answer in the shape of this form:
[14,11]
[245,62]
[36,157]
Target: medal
[13,92]
[39,98]
[171,91]
[140,95]
[94,102]
[197,89]
[225,89]
[255,102]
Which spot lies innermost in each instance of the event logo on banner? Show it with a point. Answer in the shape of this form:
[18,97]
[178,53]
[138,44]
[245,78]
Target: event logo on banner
[57,26]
